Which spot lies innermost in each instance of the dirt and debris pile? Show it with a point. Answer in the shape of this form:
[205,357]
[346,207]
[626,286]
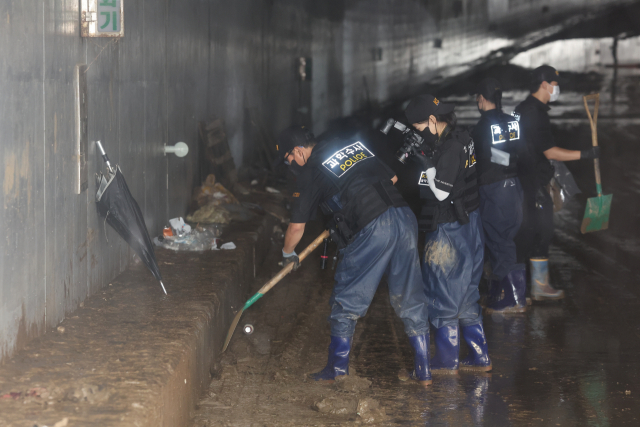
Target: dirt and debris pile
[210,203]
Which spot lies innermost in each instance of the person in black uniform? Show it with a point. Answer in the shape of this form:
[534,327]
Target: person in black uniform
[454,246]
[498,145]
[376,234]
[535,172]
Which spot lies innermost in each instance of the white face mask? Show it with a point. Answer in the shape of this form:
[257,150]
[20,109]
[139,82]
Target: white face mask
[555,94]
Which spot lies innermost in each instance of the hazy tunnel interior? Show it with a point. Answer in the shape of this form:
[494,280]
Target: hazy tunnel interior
[86,334]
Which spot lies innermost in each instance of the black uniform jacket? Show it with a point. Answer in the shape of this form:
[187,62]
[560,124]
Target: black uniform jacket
[483,137]
[313,186]
[534,169]
[453,158]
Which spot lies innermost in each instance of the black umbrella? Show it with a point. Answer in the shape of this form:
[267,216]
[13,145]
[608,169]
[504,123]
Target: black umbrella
[121,211]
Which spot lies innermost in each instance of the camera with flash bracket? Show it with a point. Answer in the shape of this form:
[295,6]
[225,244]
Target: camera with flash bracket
[410,137]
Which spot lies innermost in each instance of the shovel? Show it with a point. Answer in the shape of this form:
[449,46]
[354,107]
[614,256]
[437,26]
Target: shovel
[271,283]
[596,213]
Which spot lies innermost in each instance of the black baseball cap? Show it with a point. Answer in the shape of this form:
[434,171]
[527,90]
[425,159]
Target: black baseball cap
[291,137]
[545,73]
[423,106]
[487,88]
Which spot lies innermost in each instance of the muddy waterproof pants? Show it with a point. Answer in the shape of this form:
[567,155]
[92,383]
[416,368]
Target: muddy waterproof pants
[501,213]
[451,268]
[386,246]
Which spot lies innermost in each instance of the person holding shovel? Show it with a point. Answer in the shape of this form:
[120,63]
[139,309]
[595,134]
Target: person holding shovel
[535,173]
[376,233]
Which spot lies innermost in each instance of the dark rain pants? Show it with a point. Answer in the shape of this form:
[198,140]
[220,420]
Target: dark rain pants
[501,213]
[536,231]
[388,245]
[451,268]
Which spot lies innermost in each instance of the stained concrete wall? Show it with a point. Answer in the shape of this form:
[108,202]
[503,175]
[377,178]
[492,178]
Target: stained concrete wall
[181,62]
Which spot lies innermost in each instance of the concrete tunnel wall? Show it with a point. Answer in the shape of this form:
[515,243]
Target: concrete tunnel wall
[181,62]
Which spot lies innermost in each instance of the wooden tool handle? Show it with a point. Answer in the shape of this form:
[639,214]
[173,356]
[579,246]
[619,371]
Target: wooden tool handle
[286,270]
[593,120]
[594,134]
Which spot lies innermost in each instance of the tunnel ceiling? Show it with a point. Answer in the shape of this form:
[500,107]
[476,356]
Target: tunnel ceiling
[619,21]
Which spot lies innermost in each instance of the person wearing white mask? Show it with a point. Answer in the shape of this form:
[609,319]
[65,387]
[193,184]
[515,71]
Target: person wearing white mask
[535,173]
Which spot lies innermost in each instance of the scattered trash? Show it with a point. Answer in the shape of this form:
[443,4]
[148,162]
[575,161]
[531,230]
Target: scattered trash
[627,392]
[167,232]
[210,214]
[61,329]
[254,182]
[247,329]
[272,190]
[179,226]
[194,241]
[228,246]
[33,392]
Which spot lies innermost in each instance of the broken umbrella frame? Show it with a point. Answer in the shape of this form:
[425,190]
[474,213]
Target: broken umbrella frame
[118,207]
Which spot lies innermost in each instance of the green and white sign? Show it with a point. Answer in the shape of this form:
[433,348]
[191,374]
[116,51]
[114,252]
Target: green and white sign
[109,16]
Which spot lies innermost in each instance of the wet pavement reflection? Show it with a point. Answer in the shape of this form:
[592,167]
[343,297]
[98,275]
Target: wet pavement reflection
[571,363]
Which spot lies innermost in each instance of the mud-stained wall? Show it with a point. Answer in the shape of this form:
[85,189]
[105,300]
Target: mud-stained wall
[181,62]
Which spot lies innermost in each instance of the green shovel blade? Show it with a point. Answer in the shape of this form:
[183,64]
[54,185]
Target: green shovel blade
[596,214]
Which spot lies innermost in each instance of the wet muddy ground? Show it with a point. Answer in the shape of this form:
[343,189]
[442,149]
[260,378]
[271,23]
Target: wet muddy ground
[568,363]
[572,363]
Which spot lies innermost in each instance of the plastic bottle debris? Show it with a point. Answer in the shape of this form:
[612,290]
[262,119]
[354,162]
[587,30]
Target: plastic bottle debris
[272,190]
[196,240]
[179,226]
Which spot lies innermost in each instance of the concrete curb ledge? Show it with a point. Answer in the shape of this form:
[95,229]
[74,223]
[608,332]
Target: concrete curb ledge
[130,356]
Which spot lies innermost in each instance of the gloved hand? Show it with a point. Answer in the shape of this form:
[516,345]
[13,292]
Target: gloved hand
[591,153]
[426,162]
[290,258]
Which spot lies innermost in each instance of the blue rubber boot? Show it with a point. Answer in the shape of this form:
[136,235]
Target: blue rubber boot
[478,358]
[421,371]
[540,287]
[514,285]
[446,360]
[338,363]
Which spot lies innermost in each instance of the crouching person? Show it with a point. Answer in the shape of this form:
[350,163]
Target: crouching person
[376,233]
[454,245]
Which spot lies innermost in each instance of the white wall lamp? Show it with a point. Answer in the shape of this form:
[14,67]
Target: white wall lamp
[180,149]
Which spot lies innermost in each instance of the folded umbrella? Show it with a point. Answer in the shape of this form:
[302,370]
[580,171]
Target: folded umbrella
[121,211]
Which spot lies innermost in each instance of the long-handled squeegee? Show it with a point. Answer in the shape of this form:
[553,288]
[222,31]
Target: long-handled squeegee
[271,283]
